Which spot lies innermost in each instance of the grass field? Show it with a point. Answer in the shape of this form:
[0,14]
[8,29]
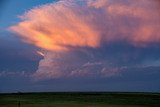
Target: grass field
[87,99]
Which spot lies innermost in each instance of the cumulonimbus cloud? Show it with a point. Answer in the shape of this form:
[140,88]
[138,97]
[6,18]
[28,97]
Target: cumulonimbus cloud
[87,23]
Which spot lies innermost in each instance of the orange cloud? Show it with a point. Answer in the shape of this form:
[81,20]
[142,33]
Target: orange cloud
[66,23]
[55,26]
[87,23]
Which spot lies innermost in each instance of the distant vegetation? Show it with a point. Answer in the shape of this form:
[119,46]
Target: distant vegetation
[81,99]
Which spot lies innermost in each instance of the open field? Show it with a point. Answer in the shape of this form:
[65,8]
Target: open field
[81,99]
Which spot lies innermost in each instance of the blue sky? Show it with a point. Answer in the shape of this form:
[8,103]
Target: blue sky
[99,47]
[11,9]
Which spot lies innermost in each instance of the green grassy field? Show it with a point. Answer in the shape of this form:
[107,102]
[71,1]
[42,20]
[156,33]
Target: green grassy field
[88,99]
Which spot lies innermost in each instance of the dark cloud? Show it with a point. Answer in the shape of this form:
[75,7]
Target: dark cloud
[15,55]
[107,61]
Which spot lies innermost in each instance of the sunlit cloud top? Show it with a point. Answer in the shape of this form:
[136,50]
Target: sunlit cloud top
[75,36]
[90,23]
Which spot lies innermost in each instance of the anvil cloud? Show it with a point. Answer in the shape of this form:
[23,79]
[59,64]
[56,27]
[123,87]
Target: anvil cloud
[67,24]
[57,26]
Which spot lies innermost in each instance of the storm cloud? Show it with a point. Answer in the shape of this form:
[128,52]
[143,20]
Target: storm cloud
[74,34]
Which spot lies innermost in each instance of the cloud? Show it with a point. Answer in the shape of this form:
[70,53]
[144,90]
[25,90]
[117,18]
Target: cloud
[92,64]
[9,73]
[69,65]
[69,24]
[57,26]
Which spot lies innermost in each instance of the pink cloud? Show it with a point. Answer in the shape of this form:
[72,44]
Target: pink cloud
[57,26]
[66,23]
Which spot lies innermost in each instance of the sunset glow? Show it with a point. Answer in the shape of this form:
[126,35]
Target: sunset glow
[80,45]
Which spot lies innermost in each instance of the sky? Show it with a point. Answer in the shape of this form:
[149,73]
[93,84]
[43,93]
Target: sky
[79,45]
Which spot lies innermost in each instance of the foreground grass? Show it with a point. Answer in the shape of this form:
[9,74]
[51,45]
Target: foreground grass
[88,99]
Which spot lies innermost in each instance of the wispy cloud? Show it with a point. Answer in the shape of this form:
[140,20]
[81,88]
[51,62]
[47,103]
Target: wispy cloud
[9,73]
